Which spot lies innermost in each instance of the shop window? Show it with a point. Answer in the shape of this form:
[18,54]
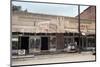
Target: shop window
[14,43]
[31,43]
[52,43]
[37,44]
[91,42]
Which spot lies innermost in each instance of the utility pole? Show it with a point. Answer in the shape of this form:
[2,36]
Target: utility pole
[79,29]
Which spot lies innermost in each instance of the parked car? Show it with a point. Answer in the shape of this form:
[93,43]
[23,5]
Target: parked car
[72,47]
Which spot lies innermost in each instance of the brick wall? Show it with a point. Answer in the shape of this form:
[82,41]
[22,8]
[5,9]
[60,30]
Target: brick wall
[89,13]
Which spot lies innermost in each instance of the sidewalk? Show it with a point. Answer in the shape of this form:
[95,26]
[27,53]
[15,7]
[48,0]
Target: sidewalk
[55,58]
[22,56]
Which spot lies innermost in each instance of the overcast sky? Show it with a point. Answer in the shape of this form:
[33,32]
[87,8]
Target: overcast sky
[52,9]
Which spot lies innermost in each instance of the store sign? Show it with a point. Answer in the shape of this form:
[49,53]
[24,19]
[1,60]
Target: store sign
[83,27]
[53,27]
[21,52]
[47,26]
[14,39]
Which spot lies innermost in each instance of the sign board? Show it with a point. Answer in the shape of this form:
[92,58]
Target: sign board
[14,39]
[84,27]
[21,52]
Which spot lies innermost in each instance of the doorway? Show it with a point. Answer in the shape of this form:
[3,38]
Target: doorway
[77,40]
[24,43]
[44,43]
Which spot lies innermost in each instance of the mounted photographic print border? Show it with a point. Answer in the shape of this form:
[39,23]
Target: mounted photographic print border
[52,33]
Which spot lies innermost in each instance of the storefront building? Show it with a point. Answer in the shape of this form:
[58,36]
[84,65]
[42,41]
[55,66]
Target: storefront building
[36,33]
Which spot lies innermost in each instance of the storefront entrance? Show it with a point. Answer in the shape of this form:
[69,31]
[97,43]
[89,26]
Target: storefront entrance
[24,43]
[79,45]
[44,43]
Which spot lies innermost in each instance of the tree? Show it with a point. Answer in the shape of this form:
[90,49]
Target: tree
[16,8]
